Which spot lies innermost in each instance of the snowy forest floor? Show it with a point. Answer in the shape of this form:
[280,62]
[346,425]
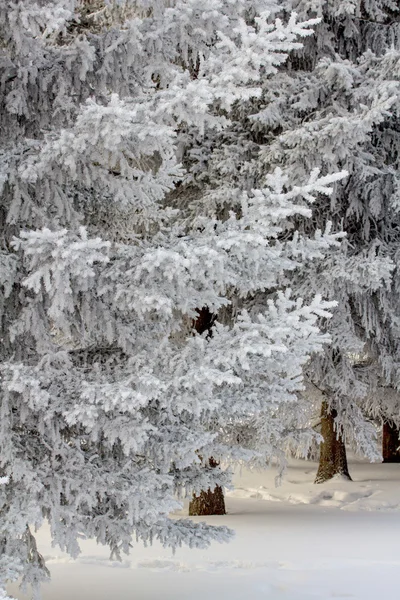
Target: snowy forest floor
[297,542]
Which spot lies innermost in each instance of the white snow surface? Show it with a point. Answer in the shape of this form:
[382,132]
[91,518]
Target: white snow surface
[299,541]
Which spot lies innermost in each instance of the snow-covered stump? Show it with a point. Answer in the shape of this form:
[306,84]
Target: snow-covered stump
[390,443]
[333,459]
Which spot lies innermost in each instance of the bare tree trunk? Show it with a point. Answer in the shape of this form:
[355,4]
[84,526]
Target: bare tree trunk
[390,443]
[333,460]
[209,502]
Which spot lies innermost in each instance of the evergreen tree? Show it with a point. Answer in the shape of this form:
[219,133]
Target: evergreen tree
[109,396]
[356,77]
[334,105]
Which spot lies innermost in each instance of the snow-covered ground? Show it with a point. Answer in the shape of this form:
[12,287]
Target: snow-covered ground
[296,542]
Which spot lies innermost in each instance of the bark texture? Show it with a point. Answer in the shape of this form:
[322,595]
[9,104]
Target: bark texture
[390,443]
[209,502]
[333,460]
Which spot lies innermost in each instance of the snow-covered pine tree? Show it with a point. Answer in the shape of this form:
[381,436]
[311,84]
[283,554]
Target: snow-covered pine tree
[334,105]
[109,398]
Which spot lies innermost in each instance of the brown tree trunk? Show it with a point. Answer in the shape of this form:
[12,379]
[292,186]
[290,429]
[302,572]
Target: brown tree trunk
[204,321]
[209,502]
[390,443]
[333,460]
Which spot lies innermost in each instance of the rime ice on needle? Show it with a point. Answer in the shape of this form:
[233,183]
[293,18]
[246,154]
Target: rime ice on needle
[111,241]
